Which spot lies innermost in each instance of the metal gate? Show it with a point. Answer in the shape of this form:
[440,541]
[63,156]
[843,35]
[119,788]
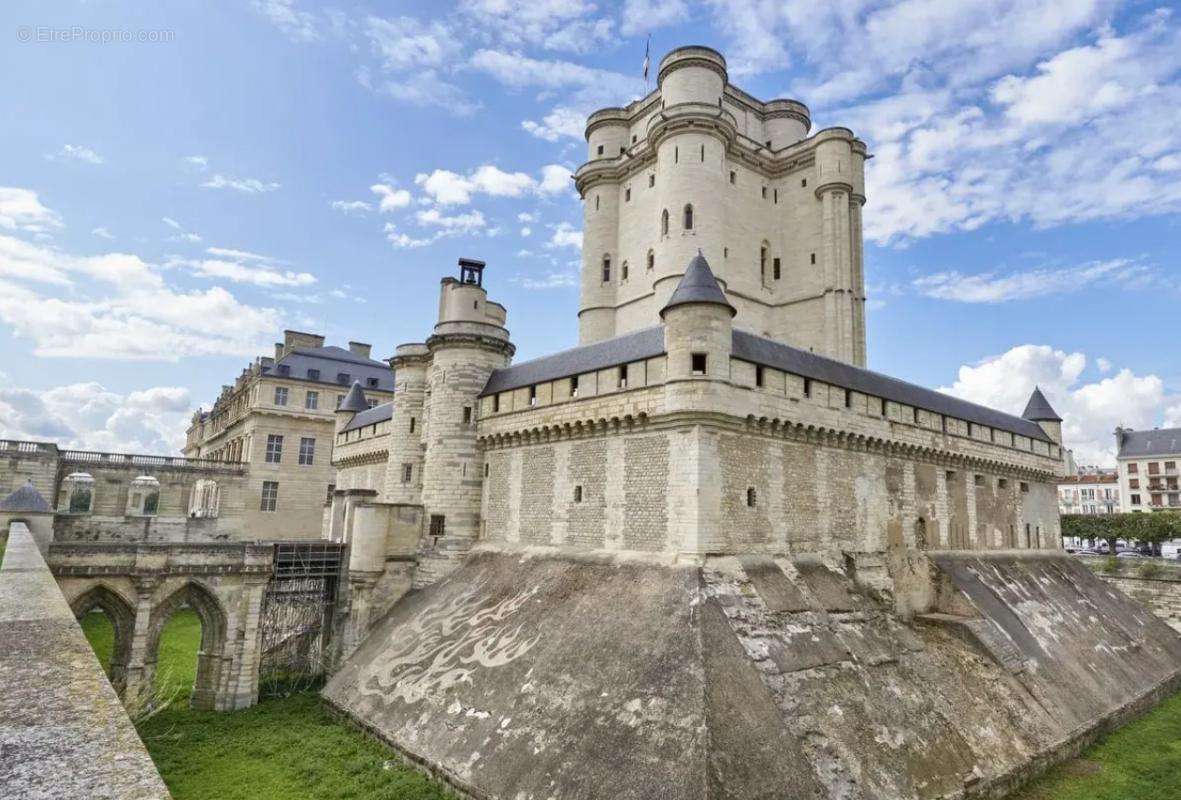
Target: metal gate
[295,622]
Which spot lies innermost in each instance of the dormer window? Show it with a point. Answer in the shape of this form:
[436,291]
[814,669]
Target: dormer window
[371,382]
[313,374]
[342,377]
[623,377]
[284,369]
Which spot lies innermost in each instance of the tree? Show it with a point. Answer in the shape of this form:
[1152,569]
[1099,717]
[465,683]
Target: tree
[1152,528]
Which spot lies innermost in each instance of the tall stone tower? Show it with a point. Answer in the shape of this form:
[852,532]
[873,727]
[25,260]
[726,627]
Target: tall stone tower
[468,343]
[699,164]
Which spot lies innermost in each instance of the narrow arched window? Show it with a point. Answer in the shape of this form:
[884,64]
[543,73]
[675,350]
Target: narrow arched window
[664,222]
[596,202]
[606,269]
[688,216]
[763,263]
[651,260]
[623,271]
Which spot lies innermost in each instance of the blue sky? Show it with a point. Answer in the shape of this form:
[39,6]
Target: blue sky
[171,200]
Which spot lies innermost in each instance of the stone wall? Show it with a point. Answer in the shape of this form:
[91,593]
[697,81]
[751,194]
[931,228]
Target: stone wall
[1155,585]
[63,730]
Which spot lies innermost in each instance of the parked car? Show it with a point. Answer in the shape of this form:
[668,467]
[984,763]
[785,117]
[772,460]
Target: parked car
[1130,554]
[1088,553]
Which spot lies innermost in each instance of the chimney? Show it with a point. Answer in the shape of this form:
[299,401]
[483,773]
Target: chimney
[360,349]
[278,350]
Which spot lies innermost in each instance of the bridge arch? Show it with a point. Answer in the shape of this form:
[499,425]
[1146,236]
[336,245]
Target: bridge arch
[121,614]
[213,656]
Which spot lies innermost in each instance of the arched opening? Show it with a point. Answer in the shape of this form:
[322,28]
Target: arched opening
[108,621]
[688,225]
[651,260]
[185,648]
[78,488]
[205,499]
[920,533]
[143,497]
[664,222]
[763,250]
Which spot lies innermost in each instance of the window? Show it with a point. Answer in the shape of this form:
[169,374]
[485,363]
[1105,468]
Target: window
[438,525]
[759,376]
[331,490]
[764,192]
[280,395]
[733,178]
[633,138]
[495,403]
[702,154]
[606,269]
[917,419]
[623,377]
[763,263]
[676,155]
[1133,469]
[1024,487]
[651,180]
[596,202]
[339,400]
[623,271]
[804,182]
[807,387]
[775,269]
[284,369]
[664,222]
[1170,466]
[577,494]
[1154,468]
[79,486]
[651,260]
[979,480]
[776,193]
[313,374]
[407,473]
[413,422]
[274,448]
[883,406]
[487,469]
[270,496]
[1135,499]
[627,195]
[371,382]
[467,415]
[307,450]
[1134,483]
[697,363]
[532,395]
[311,400]
[688,223]
[574,386]
[752,497]
[599,151]
[848,399]
[813,258]
[768,143]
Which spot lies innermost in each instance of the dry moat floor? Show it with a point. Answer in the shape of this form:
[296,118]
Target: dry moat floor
[291,748]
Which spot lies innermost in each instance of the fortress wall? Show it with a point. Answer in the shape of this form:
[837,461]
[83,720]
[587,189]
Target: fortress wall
[35,462]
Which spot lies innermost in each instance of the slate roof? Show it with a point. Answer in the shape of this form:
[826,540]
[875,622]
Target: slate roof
[1156,442]
[25,500]
[698,286]
[649,342]
[1038,408]
[331,361]
[370,416]
[354,400]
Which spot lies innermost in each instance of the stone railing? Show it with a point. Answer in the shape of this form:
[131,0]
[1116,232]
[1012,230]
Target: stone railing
[18,447]
[65,733]
[136,460]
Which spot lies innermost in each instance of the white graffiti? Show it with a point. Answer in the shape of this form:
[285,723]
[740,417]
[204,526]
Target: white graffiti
[444,644]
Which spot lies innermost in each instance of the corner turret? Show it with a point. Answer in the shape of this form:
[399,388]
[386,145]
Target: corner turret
[353,403]
[698,326]
[1039,410]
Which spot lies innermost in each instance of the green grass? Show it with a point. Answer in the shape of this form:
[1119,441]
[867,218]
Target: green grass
[1141,761]
[286,748]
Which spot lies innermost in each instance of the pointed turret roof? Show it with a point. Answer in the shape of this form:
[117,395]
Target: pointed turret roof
[25,500]
[1038,409]
[698,286]
[355,400]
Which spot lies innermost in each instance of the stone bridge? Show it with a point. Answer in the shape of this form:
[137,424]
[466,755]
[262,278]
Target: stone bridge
[138,586]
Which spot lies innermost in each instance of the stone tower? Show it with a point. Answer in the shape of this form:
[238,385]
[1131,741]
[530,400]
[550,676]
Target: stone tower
[407,446]
[699,164]
[468,343]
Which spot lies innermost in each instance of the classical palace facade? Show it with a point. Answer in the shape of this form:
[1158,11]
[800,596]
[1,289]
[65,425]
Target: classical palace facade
[277,418]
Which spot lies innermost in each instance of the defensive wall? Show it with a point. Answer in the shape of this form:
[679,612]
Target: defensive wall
[63,732]
[1154,584]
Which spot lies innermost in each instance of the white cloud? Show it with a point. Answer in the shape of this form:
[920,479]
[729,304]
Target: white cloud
[88,416]
[551,280]
[101,233]
[1090,410]
[351,206]
[566,235]
[391,198]
[75,152]
[244,185]
[403,240]
[299,26]
[21,210]
[460,223]
[1103,364]
[526,231]
[645,16]
[991,287]
[116,306]
[519,71]
[243,266]
[525,216]
[451,188]
[404,43]
[555,179]
[569,25]
[200,163]
[242,255]
[181,235]
[559,122]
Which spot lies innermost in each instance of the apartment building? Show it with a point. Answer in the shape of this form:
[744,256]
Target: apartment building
[1089,492]
[278,416]
[1148,476]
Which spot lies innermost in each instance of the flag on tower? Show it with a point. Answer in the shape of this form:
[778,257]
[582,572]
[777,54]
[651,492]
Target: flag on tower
[647,45]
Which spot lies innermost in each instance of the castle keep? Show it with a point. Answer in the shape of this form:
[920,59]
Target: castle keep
[707,553]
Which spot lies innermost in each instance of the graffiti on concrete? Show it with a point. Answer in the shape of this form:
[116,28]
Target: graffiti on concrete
[447,642]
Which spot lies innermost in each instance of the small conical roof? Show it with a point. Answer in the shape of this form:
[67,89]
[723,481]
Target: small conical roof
[355,399]
[698,286]
[25,500]
[1038,409]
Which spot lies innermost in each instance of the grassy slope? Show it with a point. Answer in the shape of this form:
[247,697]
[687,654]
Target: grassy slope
[1141,761]
[282,749]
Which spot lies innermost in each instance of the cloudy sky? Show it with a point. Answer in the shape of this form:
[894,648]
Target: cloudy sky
[171,200]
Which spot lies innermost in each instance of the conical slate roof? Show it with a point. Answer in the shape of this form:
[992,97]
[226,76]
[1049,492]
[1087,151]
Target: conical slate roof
[25,500]
[699,286]
[1038,408]
[355,399]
